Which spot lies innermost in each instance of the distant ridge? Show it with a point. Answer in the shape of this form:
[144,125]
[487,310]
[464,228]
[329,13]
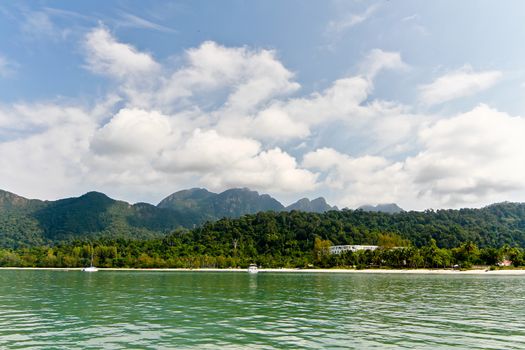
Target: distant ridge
[317,205]
[390,208]
[230,203]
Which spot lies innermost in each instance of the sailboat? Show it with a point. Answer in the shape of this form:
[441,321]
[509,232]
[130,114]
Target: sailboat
[91,268]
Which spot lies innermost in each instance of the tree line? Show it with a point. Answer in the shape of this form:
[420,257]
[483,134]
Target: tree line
[297,239]
[148,254]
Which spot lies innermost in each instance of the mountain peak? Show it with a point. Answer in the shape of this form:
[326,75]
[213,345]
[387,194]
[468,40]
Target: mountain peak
[186,199]
[233,202]
[317,205]
[239,201]
[94,194]
[11,201]
[390,208]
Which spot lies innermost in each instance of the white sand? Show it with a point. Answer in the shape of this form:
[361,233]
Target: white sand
[375,271]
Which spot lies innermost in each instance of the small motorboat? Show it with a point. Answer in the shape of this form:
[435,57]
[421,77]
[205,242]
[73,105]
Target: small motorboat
[253,268]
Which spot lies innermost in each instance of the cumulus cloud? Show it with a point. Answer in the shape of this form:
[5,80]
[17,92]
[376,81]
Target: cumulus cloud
[107,56]
[471,157]
[288,119]
[208,151]
[274,123]
[456,84]
[225,117]
[358,180]
[25,119]
[222,162]
[42,148]
[273,170]
[218,118]
[134,131]
[250,77]
[467,159]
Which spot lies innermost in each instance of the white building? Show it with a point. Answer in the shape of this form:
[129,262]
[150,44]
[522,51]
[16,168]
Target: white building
[338,249]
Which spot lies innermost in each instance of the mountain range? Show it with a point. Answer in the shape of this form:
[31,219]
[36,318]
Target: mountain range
[31,222]
[34,222]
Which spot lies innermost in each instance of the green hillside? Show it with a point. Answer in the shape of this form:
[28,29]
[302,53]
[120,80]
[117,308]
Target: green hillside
[25,222]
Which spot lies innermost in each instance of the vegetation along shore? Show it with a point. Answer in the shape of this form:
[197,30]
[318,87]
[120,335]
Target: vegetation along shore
[65,233]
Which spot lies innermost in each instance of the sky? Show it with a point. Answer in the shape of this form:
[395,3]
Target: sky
[362,102]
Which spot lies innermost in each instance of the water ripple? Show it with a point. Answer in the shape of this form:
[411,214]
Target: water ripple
[117,310]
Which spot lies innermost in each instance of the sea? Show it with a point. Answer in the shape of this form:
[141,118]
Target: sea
[43,309]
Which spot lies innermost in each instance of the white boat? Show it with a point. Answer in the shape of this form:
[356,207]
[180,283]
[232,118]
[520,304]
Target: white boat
[252,268]
[91,268]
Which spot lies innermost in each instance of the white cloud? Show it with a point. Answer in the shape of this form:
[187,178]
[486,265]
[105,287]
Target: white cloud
[275,124]
[107,56]
[24,119]
[410,18]
[222,162]
[42,149]
[340,101]
[350,20]
[134,21]
[242,92]
[359,180]
[378,60]
[456,84]
[134,131]
[471,157]
[225,117]
[271,171]
[207,151]
[216,120]
[289,119]
[249,77]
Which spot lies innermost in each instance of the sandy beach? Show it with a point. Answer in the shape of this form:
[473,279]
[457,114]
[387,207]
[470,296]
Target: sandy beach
[287,270]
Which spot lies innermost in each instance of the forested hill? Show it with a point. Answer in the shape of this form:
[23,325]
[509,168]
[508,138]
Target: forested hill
[29,222]
[25,222]
[493,226]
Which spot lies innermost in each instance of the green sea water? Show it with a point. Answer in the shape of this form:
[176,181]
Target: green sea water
[201,310]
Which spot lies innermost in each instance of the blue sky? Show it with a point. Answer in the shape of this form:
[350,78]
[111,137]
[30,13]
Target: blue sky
[413,102]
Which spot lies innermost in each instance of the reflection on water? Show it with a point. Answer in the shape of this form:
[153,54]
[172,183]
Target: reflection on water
[163,310]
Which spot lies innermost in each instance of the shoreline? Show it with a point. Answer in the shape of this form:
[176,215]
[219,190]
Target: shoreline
[517,272]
